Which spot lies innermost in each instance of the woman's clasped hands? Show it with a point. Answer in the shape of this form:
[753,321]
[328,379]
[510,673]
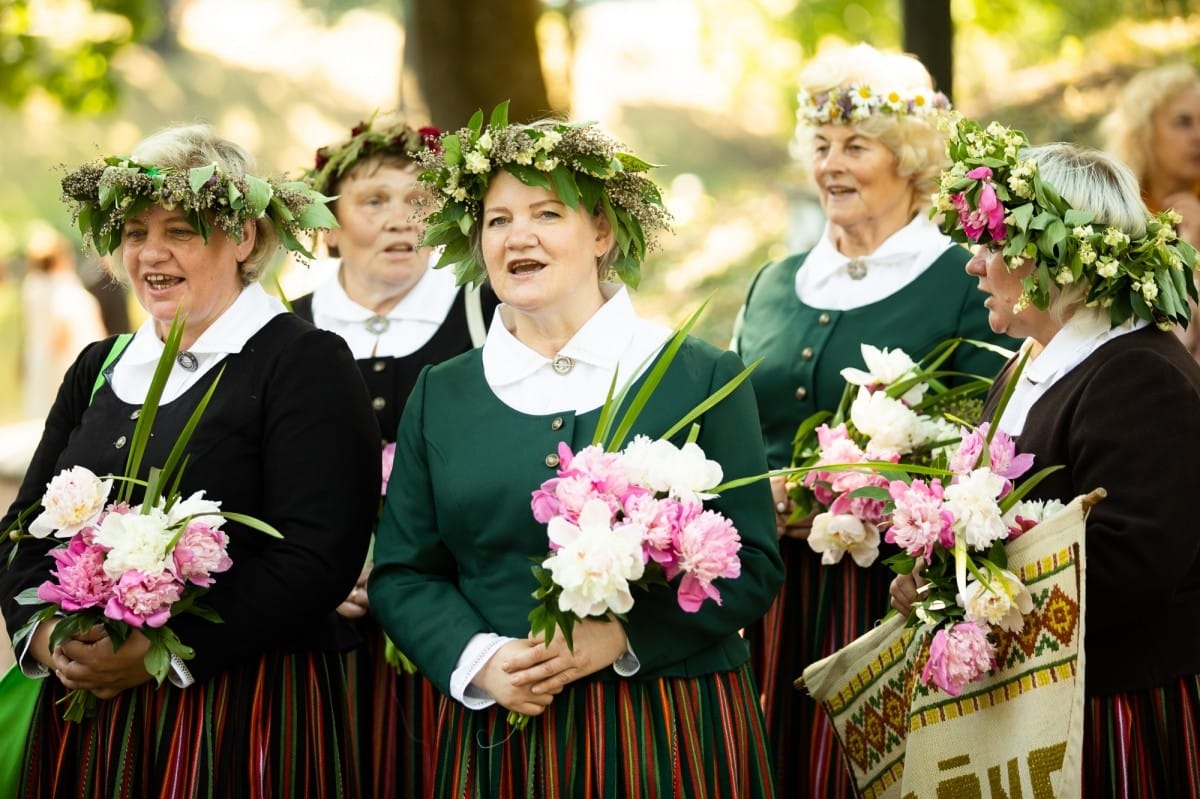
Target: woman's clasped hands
[527,673]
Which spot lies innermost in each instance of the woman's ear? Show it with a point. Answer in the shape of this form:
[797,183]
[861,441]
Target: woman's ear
[604,234]
[249,237]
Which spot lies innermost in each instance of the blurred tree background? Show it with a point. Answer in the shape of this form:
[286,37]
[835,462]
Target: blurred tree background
[704,87]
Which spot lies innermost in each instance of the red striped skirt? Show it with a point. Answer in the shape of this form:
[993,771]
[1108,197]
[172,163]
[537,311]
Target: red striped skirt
[395,720]
[819,610]
[1144,744]
[669,738]
[273,728]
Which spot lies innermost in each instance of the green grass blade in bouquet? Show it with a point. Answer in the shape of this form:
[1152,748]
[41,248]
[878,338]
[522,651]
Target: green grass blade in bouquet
[149,410]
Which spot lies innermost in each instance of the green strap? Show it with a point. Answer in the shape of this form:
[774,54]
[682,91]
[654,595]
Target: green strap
[117,348]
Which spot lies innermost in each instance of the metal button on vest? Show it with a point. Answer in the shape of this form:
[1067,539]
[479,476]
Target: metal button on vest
[801,393]
[824,319]
[120,442]
[136,414]
[379,366]
[552,460]
[379,403]
[557,423]
[806,354]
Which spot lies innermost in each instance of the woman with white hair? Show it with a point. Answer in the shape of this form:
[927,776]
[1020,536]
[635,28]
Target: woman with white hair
[1111,396]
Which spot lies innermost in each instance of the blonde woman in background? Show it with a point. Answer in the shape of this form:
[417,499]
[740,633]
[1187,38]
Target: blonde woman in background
[1155,129]
[881,274]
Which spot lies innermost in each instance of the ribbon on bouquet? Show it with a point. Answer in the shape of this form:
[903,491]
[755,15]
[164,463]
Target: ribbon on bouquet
[1016,732]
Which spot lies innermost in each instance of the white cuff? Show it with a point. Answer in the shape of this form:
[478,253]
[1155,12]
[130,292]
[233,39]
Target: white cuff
[29,666]
[474,657]
[628,664]
[180,677]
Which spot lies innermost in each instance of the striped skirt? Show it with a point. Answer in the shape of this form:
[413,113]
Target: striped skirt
[819,610]
[1145,744]
[395,720]
[671,738]
[273,728]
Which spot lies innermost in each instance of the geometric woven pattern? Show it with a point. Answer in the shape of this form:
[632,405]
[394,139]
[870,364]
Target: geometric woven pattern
[1016,732]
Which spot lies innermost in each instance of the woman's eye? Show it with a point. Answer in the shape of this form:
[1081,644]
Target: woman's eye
[135,235]
[549,214]
[496,221]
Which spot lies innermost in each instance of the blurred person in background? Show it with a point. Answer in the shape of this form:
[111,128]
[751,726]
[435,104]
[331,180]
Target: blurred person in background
[59,317]
[1155,129]
[881,274]
[397,315]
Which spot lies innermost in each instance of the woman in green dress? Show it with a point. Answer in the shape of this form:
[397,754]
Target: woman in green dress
[661,703]
[881,274]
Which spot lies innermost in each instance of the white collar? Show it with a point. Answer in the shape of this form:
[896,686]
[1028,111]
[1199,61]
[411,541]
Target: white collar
[918,238]
[600,342]
[428,301]
[227,334]
[1083,334]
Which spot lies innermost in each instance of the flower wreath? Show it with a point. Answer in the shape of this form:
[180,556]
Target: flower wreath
[576,160]
[102,194]
[367,140]
[857,101]
[990,194]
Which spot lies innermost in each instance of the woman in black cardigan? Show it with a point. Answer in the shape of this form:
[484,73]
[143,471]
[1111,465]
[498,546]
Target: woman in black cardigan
[1112,396]
[288,438]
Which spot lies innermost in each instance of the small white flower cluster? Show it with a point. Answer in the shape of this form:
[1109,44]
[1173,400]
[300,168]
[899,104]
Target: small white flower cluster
[857,101]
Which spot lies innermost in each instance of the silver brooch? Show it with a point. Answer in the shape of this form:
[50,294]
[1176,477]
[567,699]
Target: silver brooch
[377,325]
[187,361]
[562,363]
[857,268]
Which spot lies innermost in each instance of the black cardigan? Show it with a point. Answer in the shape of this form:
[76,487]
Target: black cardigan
[289,438]
[1127,419]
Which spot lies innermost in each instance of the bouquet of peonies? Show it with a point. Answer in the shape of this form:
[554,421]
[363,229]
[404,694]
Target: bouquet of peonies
[897,411]
[631,518]
[623,518]
[124,566]
[949,500]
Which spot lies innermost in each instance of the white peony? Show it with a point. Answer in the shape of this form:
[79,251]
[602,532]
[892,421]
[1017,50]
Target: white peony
[888,423]
[73,500]
[594,562]
[977,516]
[648,462]
[833,535]
[200,509]
[136,541]
[885,367]
[684,472]
[1003,604]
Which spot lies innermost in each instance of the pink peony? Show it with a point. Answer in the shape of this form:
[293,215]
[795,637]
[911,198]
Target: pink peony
[201,553]
[708,546]
[966,458]
[659,520]
[388,458]
[920,521]
[1005,460]
[987,217]
[958,656]
[82,582]
[139,599]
